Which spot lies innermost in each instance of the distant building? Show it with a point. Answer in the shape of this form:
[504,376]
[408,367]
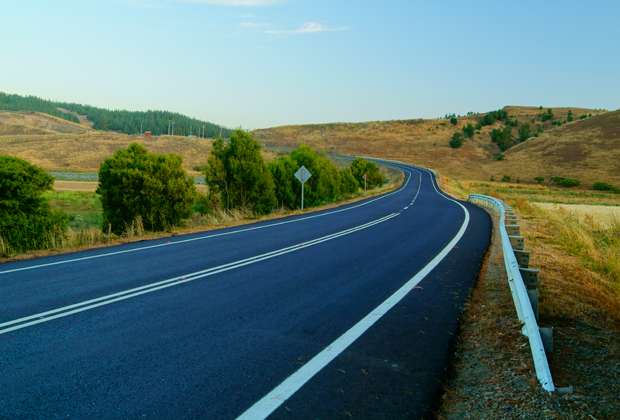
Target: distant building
[147,134]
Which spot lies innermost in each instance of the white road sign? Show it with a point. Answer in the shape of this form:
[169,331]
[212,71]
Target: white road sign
[303,174]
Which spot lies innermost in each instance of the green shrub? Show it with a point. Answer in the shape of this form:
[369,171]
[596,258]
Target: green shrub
[200,168]
[135,182]
[603,186]
[468,130]
[498,156]
[492,178]
[505,178]
[27,221]
[540,179]
[457,141]
[361,166]
[568,182]
[454,121]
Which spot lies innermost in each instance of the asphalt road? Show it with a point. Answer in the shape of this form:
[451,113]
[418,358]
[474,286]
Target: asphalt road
[326,315]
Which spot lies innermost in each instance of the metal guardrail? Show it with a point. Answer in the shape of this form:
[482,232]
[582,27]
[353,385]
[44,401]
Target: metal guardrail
[520,296]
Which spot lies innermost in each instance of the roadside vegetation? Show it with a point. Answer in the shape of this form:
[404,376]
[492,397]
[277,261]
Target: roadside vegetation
[578,251]
[144,194]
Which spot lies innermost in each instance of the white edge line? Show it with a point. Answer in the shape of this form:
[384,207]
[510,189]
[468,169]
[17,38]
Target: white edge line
[400,189]
[270,402]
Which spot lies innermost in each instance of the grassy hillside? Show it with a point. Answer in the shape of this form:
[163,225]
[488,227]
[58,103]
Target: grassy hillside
[587,149]
[426,142]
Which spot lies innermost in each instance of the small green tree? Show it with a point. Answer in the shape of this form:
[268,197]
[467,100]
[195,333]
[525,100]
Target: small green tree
[548,115]
[570,116]
[238,174]
[498,156]
[457,141]
[454,121]
[27,221]
[540,179]
[506,178]
[468,130]
[525,132]
[361,166]
[135,182]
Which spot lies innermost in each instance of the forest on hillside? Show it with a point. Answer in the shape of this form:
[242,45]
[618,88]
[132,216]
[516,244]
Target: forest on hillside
[122,121]
[32,103]
[157,122]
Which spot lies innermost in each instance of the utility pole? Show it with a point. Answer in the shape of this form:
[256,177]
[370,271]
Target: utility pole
[203,131]
[220,131]
[168,127]
[141,127]
[173,128]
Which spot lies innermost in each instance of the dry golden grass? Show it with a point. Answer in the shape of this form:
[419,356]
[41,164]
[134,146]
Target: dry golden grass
[604,216]
[85,152]
[38,123]
[579,260]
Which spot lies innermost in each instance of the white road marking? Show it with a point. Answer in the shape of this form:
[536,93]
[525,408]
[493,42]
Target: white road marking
[214,235]
[127,294]
[270,402]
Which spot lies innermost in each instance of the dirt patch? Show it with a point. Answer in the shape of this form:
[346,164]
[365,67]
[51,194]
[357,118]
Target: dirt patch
[75,186]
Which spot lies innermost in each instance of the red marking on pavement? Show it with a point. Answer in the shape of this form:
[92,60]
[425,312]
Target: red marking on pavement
[456,247]
[169,242]
[303,244]
[417,287]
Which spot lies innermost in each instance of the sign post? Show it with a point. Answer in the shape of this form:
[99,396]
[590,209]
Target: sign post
[365,176]
[302,175]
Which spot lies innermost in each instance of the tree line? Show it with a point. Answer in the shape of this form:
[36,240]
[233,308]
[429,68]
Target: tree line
[32,103]
[157,122]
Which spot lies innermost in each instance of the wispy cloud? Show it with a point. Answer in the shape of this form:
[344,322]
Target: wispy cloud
[306,28]
[252,25]
[234,3]
[247,16]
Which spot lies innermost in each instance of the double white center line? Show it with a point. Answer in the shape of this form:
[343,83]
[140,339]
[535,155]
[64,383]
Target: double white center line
[64,311]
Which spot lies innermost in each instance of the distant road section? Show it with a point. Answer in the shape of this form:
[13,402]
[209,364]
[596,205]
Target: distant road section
[347,312]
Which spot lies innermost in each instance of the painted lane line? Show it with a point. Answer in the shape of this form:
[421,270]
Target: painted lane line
[106,300]
[400,189]
[269,403]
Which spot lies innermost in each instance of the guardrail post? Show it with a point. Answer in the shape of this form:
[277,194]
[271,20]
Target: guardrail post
[547,338]
[529,276]
[517,242]
[523,258]
[513,230]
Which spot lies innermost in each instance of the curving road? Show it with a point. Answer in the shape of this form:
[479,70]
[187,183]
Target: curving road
[340,313]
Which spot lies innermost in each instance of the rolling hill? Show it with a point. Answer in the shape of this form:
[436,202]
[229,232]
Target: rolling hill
[574,149]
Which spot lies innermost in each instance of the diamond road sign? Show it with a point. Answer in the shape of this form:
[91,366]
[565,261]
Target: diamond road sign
[303,175]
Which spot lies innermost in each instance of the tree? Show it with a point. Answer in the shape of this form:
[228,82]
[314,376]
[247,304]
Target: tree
[135,182]
[540,179]
[548,115]
[525,132]
[361,166]
[570,116]
[27,221]
[238,174]
[454,121]
[468,130]
[457,141]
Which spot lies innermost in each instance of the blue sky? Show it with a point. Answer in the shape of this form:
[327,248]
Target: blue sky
[263,63]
